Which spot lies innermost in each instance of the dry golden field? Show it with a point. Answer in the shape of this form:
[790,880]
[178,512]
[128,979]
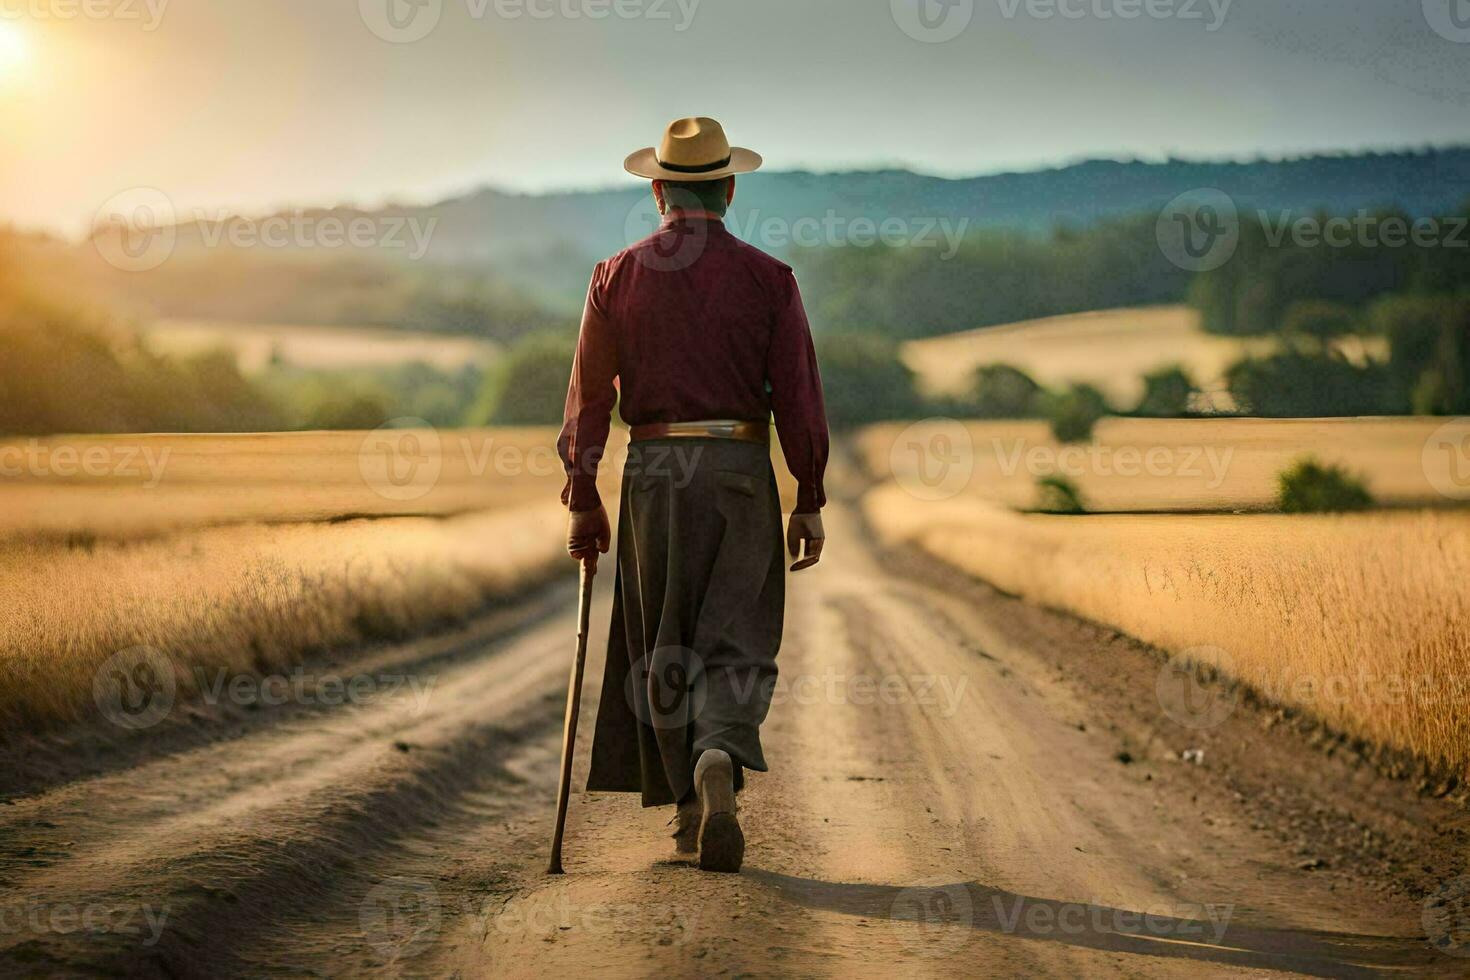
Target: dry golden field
[250,598]
[1145,465]
[1111,349]
[255,345]
[130,485]
[1361,620]
[246,552]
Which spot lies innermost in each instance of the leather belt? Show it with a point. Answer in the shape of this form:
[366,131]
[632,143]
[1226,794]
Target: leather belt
[756,432]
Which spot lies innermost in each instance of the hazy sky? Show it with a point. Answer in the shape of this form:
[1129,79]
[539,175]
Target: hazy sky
[256,103]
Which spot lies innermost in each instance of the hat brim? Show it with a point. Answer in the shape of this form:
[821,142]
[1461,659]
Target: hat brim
[644,163]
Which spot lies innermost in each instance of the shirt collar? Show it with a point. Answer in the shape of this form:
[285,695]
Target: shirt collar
[684,214]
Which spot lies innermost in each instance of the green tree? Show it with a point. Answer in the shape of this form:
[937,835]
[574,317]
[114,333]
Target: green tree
[1075,412]
[1319,320]
[1167,393]
[1309,487]
[1303,384]
[1001,391]
[863,379]
[528,385]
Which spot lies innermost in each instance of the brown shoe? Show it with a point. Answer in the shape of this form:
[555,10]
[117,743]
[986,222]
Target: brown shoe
[721,842]
[686,829]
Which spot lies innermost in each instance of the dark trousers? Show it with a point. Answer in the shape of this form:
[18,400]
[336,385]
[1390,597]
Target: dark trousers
[697,616]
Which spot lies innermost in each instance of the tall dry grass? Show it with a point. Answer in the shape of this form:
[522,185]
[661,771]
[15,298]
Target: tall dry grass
[250,599]
[1135,465]
[1363,620]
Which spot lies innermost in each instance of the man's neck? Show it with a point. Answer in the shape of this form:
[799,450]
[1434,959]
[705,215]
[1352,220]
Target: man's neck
[695,214]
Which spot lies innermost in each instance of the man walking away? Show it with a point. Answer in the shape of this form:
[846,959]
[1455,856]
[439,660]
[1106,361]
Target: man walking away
[705,338]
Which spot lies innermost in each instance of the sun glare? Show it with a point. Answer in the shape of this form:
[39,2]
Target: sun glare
[14,49]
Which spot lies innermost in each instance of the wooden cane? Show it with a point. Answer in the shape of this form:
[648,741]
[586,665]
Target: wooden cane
[574,707]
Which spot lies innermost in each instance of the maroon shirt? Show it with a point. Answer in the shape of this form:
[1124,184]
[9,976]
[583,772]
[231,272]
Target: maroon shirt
[693,325]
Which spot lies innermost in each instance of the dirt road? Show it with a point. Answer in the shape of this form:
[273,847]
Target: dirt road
[961,785]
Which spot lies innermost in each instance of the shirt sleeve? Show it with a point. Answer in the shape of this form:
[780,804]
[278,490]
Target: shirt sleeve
[590,400]
[796,399]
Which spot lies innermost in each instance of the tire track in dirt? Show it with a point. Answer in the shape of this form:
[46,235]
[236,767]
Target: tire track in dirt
[231,841]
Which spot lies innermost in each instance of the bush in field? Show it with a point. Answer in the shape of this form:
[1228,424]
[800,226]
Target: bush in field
[528,386]
[863,379]
[1307,384]
[1309,487]
[1074,413]
[1058,495]
[1319,320]
[1429,351]
[1005,392]
[1166,394]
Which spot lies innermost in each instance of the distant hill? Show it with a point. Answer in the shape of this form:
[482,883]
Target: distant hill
[490,224]
[497,263]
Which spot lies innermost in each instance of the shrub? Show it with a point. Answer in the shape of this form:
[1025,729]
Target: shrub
[1004,392]
[1319,320]
[1309,487]
[528,386]
[1304,384]
[1074,412]
[863,379]
[1167,393]
[1058,495]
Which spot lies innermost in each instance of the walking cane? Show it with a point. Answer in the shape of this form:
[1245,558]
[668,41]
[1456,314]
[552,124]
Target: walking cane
[574,706]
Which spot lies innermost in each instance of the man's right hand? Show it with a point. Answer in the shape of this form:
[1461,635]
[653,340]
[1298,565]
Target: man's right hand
[588,533]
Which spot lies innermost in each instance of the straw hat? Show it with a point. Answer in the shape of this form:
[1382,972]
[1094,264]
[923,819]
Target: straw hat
[692,149]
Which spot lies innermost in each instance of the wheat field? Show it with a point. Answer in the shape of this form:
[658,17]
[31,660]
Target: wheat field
[1146,465]
[1361,620]
[1110,349]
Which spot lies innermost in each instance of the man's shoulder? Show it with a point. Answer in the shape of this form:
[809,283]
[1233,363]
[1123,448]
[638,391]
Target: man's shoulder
[761,259]
[656,248]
